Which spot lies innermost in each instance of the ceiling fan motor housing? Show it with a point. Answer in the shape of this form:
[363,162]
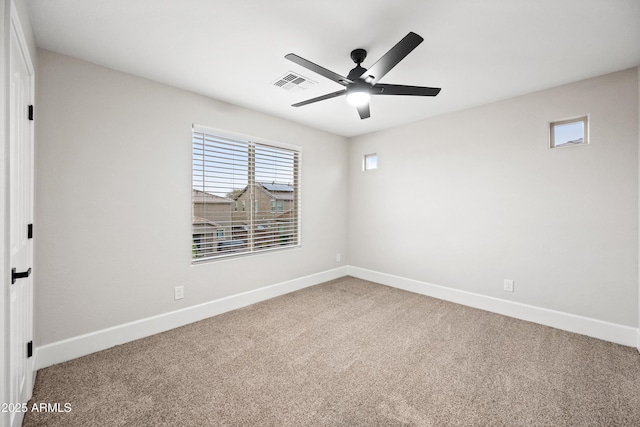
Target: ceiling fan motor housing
[355,73]
[358,86]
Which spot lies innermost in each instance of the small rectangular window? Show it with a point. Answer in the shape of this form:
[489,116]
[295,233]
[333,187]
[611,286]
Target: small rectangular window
[370,162]
[567,133]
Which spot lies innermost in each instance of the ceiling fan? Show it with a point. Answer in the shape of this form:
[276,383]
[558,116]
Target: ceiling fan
[361,83]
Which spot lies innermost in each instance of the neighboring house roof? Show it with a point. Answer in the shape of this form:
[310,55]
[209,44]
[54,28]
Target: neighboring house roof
[198,196]
[273,187]
[278,191]
[275,191]
[204,221]
[288,215]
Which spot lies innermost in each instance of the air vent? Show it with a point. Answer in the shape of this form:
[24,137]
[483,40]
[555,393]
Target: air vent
[293,82]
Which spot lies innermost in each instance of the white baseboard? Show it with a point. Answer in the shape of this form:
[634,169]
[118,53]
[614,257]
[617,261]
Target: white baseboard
[81,345]
[620,334]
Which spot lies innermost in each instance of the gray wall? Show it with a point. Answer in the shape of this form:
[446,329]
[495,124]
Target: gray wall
[463,200]
[469,199]
[113,191]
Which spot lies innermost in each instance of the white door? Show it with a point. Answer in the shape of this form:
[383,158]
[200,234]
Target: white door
[20,216]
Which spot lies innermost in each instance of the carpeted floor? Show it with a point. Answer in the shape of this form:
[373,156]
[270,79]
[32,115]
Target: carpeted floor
[349,353]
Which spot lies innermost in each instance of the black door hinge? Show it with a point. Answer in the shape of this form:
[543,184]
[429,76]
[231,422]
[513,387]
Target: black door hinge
[30,231]
[29,349]
[30,112]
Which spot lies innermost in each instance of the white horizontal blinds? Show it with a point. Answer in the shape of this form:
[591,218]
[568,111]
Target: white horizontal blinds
[220,174]
[276,172]
[235,183]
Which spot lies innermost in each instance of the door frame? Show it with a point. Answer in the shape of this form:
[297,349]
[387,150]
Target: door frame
[5,26]
[9,22]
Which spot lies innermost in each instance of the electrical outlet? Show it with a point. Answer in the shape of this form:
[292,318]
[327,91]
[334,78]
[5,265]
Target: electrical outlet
[338,257]
[178,292]
[508,285]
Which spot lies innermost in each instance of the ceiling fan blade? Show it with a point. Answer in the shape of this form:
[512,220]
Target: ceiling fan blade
[391,58]
[318,69]
[363,110]
[320,98]
[384,89]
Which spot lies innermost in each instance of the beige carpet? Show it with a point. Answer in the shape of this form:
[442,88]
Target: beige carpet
[349,353]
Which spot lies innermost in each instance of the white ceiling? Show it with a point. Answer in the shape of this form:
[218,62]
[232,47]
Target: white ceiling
[476,51]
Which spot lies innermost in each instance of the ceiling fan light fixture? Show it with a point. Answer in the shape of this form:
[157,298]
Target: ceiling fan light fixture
[358,97]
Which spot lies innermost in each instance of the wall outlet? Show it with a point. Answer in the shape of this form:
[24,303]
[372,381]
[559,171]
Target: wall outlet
[508,285]
[338,257]
[178,292]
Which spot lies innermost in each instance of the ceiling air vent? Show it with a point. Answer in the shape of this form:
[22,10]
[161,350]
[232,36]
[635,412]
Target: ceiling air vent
[293,82]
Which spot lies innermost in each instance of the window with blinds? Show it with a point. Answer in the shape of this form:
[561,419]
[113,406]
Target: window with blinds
[245,197]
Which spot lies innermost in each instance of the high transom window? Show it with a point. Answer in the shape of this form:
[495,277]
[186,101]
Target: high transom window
[230,175]
[568,133]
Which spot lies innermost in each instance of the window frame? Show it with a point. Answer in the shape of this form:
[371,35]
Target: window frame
[584,119]
[365,163]
[294,226]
